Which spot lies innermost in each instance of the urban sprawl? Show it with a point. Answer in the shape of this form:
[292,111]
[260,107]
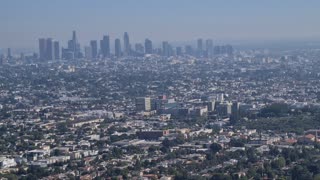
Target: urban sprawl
[201,111]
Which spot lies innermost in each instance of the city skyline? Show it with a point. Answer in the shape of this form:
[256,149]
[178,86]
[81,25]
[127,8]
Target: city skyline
[164,90]
[24,22]
[49,49]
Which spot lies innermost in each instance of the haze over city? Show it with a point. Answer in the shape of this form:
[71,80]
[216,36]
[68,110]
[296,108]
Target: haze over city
[23,22]
[159,89]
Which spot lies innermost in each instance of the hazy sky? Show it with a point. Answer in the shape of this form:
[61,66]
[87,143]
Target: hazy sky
[24,21]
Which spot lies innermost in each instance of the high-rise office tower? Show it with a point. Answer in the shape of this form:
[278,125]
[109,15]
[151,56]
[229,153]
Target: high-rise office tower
[94,48]
[223,109]
[143,104]
[171,51]
[74,46]
[49,49]
[70,46]
[235,113]
[56,50]
[211,105]
[42,49]
[105,46]
[165,48]
[209,47]
[148,46]
[199,47]
[88,52]
[126,43]
[69,53]
[9,56]
[74,41]
[117,50]
[178,51]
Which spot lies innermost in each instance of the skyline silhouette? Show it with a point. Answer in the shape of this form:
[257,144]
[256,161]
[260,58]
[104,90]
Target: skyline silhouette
[176,21]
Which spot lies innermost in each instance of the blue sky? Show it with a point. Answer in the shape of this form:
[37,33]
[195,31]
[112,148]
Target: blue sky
[24,21]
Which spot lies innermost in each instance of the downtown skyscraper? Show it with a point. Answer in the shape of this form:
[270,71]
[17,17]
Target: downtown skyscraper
[105,46]
[73,45]
[42,49]
[148,46]
[167,49]
[126,43]
[209,47]
[56,49]
[73,50]
[9,56]
[117,48]
[199,47]
[48,49]
[94,48]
